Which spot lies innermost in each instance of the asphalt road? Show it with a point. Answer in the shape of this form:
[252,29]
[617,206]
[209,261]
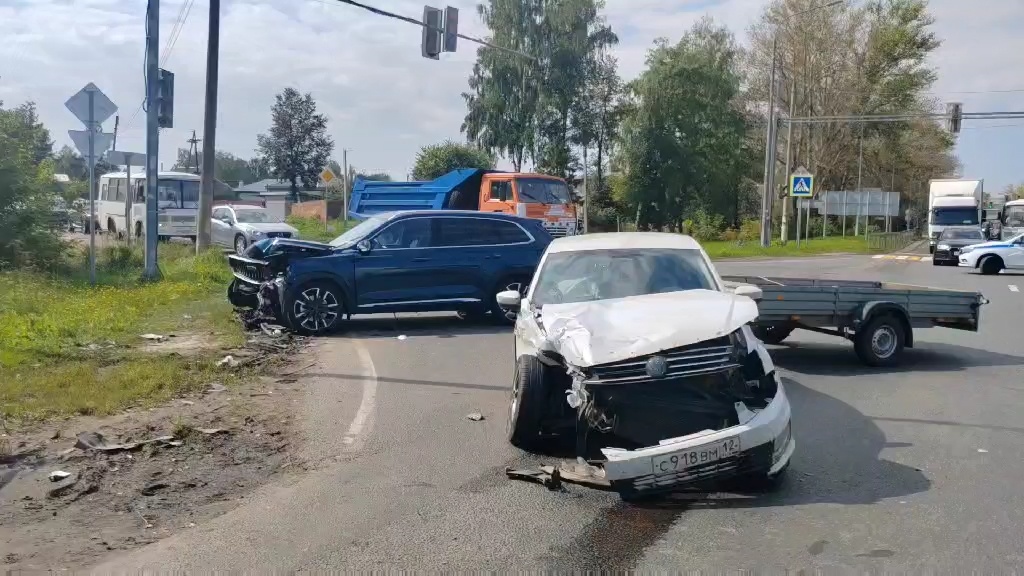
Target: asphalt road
[913,468]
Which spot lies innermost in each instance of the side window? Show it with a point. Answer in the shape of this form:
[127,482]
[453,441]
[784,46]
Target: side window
[120,192]
[103,191]
[140,192]
[508,233]
[218,213]
[501,191]
[479,232]
[411,233]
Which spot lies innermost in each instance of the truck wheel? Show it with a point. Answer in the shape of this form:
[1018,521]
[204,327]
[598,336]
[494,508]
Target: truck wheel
[526,405]
[772,334]
[315,309]
[881,341]
[991,265]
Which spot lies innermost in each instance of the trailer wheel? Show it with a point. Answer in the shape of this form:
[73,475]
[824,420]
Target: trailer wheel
[880,342]
[772,334]
[526,408]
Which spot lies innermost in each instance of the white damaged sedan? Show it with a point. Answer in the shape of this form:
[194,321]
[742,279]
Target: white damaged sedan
[632,344]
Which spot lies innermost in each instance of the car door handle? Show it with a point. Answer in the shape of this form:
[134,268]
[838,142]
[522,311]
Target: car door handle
[421,259]
[492,257]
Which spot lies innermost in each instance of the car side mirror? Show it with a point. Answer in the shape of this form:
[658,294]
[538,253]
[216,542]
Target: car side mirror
[363,246]
[752,292]
[509,300]
[226,219]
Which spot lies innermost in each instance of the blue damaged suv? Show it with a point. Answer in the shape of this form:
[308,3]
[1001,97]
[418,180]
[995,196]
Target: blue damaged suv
[411,261]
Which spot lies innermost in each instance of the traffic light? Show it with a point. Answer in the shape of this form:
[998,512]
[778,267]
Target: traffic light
[165,99]
[955,112]
[432,28]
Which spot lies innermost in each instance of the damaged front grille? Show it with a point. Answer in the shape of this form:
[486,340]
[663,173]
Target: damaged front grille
[247,269]
[704,358]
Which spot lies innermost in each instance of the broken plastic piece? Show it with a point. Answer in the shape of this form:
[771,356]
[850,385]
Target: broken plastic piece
[153,337]
[547,476]
[475,416]
[228,361]
[58,475]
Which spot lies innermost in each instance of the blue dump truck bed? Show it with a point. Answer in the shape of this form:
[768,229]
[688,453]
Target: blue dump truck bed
[456,190]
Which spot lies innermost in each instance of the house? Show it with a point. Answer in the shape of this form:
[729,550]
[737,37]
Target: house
[276,195]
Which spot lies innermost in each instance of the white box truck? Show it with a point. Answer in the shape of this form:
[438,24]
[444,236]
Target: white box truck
[953,202]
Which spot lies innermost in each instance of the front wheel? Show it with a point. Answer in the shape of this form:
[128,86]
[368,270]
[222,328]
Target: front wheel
[315,308]
[240,244]
[991,265]
[526,405]
[881,341]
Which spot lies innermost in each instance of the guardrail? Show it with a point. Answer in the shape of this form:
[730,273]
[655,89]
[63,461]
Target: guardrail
[891,240]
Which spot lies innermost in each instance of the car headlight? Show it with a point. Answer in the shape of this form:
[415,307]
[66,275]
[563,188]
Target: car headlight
[943,247]
[256,233]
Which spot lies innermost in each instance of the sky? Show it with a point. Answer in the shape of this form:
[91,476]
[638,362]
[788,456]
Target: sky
[383,100]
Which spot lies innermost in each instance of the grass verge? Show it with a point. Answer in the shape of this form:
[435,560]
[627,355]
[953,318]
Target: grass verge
[830,245]
[316,230]
[69,348]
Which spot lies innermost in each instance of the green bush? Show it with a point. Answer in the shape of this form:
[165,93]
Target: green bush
[705,226]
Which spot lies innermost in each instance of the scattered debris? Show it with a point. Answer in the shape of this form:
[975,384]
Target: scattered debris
[547,476]
[215,388]
[153,337]
[475,416]
[401,337]
[96,441]
[153,488]
[228,361]
[58,475]
[579,472]
[982,450]
[187,402]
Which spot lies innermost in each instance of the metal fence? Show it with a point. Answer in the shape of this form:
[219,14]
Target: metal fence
[891,240]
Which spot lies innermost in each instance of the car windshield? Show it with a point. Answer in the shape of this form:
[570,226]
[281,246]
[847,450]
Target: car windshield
[955,234]
[602,274]
[542,191]
[954,216]
[360,231]
[251,216]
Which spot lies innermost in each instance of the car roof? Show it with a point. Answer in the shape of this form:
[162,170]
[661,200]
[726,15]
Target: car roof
[498,215]
[241,207]
[623,240]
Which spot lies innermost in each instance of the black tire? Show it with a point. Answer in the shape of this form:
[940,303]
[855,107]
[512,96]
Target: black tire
[931,249]
[772,334]
[321,299]
[138,229]
[990,264]
[526,408]
[112,229]
[520,283]
[881,341]
[240,241]
[936,262]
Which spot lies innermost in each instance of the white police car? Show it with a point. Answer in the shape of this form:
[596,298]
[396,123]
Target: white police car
[991,257]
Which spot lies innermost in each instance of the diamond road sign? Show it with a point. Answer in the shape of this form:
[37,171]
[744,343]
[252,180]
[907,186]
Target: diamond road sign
[327,175]
[103,108]
[801,183]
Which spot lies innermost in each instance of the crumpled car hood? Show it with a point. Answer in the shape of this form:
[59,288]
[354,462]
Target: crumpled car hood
[597,332]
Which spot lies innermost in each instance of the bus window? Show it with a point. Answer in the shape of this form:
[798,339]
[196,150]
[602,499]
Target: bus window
[119,191]
[1013,216]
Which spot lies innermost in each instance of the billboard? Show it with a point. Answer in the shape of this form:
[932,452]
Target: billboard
[866,202]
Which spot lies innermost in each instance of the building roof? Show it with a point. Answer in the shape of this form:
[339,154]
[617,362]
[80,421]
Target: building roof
[623,240]
[258,186]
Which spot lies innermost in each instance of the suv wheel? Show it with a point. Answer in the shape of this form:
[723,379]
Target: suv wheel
[315,308]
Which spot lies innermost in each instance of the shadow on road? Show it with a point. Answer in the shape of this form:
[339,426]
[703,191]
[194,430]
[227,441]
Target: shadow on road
[837,461]
[440,326]
[839,359]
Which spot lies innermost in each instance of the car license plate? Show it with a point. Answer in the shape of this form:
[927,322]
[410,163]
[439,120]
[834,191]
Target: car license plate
[697,456]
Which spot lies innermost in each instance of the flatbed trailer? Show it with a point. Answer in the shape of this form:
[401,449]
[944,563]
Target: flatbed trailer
[878,317]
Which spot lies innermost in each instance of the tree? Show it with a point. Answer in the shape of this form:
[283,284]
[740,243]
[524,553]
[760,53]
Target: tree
[504,87]
[27,191]
[682,134]
[435,160]
[297,147]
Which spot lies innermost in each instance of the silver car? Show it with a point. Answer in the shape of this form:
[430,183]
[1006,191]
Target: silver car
[238,226]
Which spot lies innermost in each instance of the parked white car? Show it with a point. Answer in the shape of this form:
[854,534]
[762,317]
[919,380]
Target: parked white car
[991,257]
[238,225]
[632,343]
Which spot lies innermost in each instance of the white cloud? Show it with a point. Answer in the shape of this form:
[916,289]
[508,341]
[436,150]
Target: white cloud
[382,98]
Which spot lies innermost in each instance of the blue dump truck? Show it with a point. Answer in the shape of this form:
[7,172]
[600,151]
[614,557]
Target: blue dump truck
[536,196]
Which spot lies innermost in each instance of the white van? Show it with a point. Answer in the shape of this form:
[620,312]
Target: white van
[177,202]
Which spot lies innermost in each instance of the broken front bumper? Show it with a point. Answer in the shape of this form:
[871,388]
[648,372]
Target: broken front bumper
[760,445]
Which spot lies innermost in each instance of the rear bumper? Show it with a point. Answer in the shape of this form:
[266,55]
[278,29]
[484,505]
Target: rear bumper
[946,256]
[766,445]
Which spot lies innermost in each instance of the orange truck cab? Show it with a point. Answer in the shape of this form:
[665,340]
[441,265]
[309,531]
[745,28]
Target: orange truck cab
[537,196]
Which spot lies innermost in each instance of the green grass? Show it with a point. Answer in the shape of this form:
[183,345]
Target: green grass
[70,348]
[313,229]
[830,245]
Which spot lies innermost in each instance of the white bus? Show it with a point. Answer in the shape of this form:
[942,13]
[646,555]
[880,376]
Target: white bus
[177,202]
[1012,219]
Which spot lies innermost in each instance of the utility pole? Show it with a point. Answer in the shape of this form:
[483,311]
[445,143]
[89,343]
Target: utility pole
[586,195]
[789,147]
[193,152]
[209,130]
[152,134]
[117,122]
[769,155]
[346,185]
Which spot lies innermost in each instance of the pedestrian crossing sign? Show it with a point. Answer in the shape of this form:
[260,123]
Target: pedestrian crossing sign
[801,184]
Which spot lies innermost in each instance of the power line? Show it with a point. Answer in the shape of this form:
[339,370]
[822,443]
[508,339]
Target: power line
[416,22]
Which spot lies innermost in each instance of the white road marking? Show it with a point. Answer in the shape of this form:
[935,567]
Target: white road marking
[879,256]
[902,257]
[363,420]
[1013,288]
